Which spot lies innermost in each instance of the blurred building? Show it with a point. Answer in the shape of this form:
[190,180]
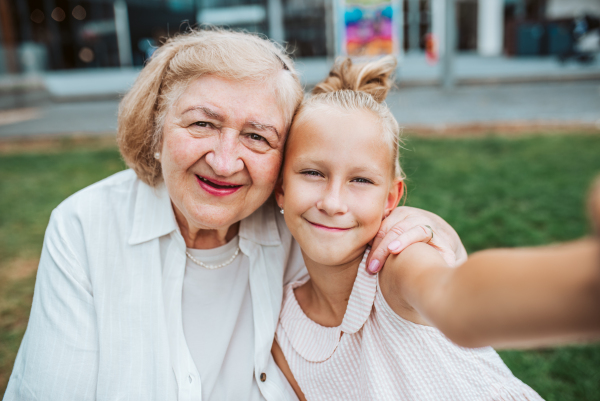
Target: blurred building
[76,34]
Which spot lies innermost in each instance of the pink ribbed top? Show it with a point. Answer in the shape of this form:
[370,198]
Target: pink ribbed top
[377,355]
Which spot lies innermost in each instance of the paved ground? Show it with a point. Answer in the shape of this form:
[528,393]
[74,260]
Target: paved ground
[62,118]
[472,68]
[413,69]
[556,103]
[552,103]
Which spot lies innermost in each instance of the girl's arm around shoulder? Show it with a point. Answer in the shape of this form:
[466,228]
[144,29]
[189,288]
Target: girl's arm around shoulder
[412,283]
[285,369]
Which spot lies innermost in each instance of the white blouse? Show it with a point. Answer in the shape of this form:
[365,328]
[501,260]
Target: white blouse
[106,320]
[220,298]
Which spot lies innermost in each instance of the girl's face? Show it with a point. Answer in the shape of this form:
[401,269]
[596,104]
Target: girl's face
[337,184]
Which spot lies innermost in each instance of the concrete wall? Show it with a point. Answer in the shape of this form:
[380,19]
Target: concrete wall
[490,27]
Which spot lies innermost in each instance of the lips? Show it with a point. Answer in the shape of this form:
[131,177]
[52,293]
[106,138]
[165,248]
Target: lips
[328,228]
[217,188]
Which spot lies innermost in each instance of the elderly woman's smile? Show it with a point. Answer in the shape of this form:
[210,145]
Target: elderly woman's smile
[217,188]
[222,150]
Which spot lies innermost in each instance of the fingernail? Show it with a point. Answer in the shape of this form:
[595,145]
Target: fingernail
[394,246]
[373,266]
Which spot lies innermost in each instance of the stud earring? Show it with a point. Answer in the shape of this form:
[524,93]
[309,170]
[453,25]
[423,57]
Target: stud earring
[157,155]
[281,211]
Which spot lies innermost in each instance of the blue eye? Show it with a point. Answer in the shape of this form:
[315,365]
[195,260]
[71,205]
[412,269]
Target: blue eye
[362,180]
[312,173]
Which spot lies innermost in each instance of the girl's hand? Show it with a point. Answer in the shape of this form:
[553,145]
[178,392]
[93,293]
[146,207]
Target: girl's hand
[408,225]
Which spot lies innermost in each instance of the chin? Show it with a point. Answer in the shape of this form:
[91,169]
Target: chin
[214,218]
[332,254]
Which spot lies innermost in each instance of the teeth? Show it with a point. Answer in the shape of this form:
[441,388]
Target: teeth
[212,183]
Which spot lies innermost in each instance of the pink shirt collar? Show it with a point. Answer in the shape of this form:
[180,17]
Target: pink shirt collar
[317,343]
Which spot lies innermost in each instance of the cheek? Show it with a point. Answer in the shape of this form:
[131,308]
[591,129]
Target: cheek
[263,168]
[370,209]
[180,152]
[297,193]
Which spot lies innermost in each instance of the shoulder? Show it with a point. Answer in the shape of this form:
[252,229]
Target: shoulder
[96,213]
[118,185]
[397,273]
[402,266]
[104,201]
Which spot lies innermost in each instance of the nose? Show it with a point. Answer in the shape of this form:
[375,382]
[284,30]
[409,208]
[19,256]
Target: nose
[225,158]
[332,201]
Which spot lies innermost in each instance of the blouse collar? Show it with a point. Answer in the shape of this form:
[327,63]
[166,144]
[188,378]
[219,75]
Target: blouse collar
[316,343]
[153,217]
[153,214]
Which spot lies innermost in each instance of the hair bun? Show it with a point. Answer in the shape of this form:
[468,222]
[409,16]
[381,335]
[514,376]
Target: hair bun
[373,78]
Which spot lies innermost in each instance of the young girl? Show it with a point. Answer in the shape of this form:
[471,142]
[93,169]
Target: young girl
[345,334]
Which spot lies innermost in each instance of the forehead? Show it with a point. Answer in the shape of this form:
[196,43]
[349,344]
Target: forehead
[234,99]
[340,137]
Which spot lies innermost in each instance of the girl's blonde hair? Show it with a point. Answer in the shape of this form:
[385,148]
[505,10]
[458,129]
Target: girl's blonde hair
[212,51]
[353,87]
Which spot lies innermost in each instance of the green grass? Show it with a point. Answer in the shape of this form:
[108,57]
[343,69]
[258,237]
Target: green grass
[33,184]
[505,192]
[494,191]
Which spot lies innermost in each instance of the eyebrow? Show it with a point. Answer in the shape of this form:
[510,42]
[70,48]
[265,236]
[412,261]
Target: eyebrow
[219,117]
[210,113]
[262,127]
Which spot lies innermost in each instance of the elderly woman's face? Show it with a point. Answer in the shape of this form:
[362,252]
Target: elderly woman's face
[222,149]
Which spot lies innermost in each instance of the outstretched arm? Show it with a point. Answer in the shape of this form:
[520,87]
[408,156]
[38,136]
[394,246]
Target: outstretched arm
[505,297]
[526,297]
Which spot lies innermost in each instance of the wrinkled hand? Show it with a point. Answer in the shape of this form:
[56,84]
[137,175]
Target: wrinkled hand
[408,225]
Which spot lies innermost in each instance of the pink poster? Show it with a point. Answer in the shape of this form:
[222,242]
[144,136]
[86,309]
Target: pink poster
[370,28]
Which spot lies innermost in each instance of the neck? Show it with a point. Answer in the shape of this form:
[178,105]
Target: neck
[198,237]
[324,298]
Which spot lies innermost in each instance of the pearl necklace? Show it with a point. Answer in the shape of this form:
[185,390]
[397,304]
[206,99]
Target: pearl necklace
[213,267]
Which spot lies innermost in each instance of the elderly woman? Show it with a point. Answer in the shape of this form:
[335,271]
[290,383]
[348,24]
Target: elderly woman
[164,282]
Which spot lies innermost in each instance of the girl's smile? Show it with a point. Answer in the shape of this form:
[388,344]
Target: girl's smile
[328,228]
[338,184]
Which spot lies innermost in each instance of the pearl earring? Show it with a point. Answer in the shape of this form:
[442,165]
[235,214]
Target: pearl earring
[157,155]
[281,211]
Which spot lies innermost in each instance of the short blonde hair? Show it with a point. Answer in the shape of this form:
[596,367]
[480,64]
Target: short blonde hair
[352,87]
[183,58]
